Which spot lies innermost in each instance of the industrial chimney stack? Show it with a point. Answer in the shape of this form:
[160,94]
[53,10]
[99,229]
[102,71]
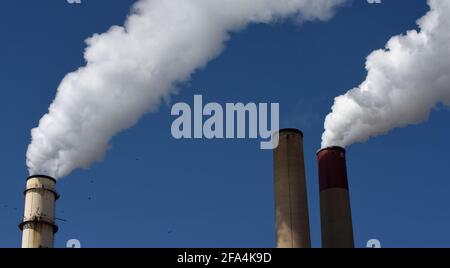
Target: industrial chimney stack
[38,226]
[335,212]
[291,203]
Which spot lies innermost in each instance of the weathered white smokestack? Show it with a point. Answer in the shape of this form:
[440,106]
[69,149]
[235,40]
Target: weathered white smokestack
[38,226]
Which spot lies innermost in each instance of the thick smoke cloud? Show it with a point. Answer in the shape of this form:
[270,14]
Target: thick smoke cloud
[130,69]
[405,81]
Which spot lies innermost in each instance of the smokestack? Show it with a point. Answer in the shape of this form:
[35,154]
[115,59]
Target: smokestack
[38,226]
[335,212]
[291,203]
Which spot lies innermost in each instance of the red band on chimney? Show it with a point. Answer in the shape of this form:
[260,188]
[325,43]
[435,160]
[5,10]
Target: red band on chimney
[332,168]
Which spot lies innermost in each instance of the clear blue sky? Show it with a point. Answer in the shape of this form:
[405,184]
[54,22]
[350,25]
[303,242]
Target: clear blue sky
[154,191]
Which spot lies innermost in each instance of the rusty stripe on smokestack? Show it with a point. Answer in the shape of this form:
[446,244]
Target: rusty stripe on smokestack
[291,203]
[38,225]
[335,211]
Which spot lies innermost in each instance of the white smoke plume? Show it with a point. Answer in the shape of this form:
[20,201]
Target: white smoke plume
[130,69]
[405,81]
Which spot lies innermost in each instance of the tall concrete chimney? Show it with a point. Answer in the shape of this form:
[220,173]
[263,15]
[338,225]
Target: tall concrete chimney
[38,226]
[335,212]
[291,202]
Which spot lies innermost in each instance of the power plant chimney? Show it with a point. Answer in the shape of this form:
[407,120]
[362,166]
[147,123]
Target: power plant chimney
[335,212]
[38,226]
[291,203]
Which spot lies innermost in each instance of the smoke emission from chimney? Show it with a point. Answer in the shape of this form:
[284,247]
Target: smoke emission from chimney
[405,81]
[130,69]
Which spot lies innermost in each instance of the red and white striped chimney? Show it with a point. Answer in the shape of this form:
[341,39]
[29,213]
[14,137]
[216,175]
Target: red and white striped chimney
[335,211]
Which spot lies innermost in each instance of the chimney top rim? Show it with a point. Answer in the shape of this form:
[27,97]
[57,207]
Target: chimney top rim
[295,130]
[332,148]
[43,177]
